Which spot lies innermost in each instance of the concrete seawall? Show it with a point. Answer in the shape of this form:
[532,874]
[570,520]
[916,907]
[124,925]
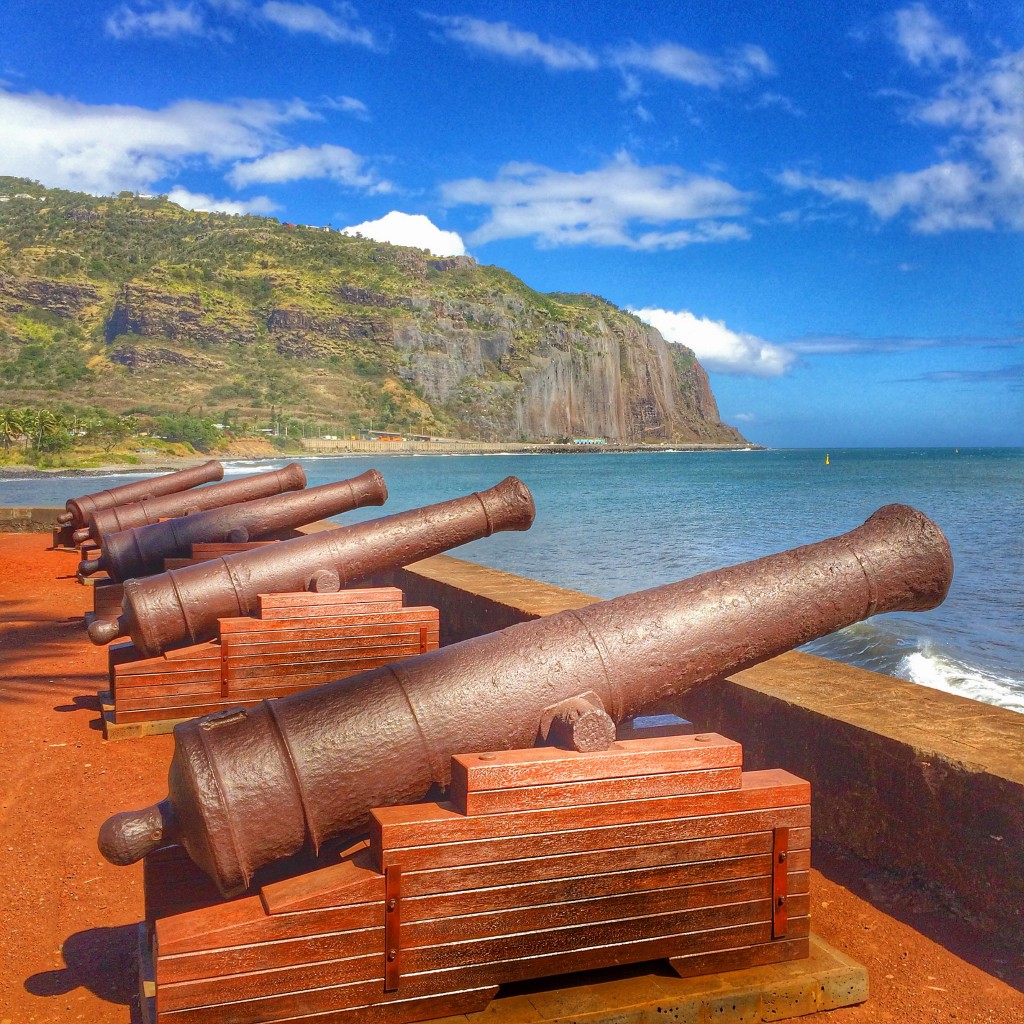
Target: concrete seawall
[916,782]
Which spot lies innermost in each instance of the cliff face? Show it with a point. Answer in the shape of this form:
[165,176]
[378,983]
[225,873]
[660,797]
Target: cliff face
[245,313]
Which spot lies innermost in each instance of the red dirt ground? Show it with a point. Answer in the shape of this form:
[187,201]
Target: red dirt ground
[68,920]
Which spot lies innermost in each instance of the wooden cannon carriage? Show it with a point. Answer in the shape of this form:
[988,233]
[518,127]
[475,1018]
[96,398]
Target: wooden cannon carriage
[541,862]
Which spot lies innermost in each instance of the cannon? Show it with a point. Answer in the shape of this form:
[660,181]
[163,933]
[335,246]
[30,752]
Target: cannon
[182,606]
[141,550]
[250,786]
[79,509]
[152,510]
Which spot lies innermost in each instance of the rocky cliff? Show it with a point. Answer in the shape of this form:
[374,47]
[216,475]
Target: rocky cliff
[145,305]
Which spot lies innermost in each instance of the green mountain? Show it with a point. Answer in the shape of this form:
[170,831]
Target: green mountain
[131,303]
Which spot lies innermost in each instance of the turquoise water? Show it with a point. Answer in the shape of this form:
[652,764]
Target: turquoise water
[609,524]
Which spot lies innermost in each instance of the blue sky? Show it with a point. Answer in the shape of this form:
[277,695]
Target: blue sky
[826,202]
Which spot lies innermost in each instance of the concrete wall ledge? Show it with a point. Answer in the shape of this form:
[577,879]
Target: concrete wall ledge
[28,519]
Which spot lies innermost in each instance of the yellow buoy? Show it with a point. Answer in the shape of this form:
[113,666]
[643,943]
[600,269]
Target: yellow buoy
[826,459]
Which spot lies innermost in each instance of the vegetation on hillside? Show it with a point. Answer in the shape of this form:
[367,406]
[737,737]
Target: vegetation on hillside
[135,306]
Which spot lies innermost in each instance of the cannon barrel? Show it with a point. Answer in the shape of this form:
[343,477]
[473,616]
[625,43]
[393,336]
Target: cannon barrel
[183,605]
[141,550]
[252,785]
[152,510]
[79,509]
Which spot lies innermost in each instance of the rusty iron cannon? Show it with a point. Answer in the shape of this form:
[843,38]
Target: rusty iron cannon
[79,509]
[182,606]
[141,550]
[168,506]
[250,786]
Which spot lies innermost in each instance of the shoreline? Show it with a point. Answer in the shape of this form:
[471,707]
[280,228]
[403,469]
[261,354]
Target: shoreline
[171,463]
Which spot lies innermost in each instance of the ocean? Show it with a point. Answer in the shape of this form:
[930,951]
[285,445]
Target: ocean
[609,524]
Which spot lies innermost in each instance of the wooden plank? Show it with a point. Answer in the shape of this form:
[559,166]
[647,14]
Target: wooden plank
[165,681]
[182,682]
[596,862]
[352,881]
[173,715]
[352,1004]
[187,659]
[600,791]
[205,550]
[301,603]
[494,898]
[347,638]
[309,961]
[757,955]
[586,944]
[243,624]
[566,866]
[250,663]
[483,851]
[393,828]
[235,1007]
[511,769]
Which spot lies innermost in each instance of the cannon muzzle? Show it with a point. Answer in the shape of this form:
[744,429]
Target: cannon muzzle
[79,509]
[152,510]
[249,786]
[182,606]
[141,550]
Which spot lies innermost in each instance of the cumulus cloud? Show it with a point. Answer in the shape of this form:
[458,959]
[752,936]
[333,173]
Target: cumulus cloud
[505,40]
[670,60]
[199,201]
[108,147]
[924,39]
[410,229]
[339,27]
[716,346]
[158,22]
[977,182]
[173,19]
[335,163]
[620,204]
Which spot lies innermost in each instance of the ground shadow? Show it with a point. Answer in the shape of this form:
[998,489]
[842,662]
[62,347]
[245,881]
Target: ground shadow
[83,703]
[102,960]
[997,954]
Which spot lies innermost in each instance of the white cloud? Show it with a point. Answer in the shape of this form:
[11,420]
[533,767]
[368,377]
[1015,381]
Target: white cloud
[163,22]
[716,346]
[670,60]
[171,19]
[977,182]
[198,201]
[335,28]
[924,39]
[335,163]
[505,40]
[410,229]
[744,417]
[621,204]
[349,105]
[682,64]
[104,148]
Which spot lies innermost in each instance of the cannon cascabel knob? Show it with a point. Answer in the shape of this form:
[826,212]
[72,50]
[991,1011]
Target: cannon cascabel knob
[129,836]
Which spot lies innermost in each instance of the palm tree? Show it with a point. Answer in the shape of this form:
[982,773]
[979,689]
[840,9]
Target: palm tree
[10,427]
